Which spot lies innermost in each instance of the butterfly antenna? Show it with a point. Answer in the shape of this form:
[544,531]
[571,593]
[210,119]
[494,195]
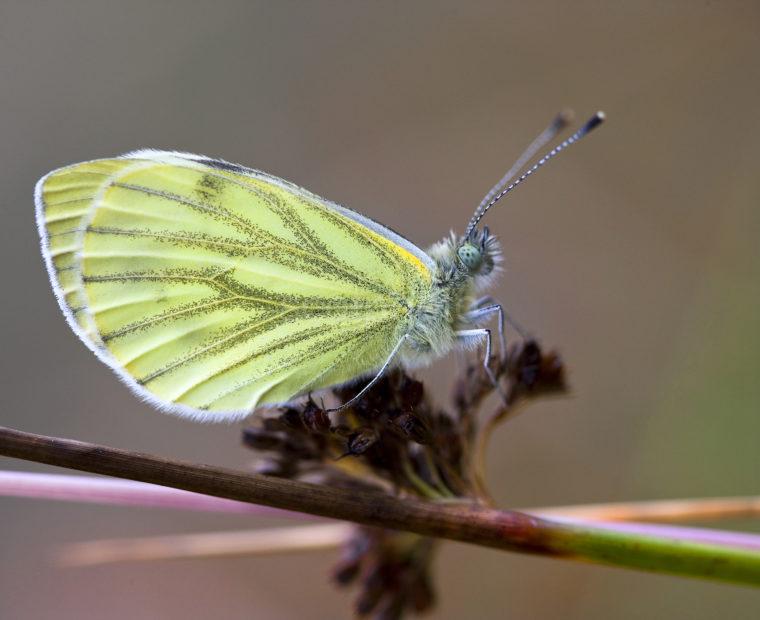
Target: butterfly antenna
[560,121]
[499,191]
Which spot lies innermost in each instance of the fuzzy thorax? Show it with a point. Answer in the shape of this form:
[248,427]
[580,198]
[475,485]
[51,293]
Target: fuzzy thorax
[464,269]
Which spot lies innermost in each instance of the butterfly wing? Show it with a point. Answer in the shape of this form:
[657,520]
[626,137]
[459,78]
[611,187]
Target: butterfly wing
[212,289]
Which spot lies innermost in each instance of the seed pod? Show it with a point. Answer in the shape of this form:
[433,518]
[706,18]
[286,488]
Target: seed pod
[274,424]
[552,374]
[410,392]
[346,571]
[342,430]
[422,595]
[529,364]
[413,427]
[292,418]
[393,609]
[374,588]
[360,441]
[273,467]
[261,439]
[315,418]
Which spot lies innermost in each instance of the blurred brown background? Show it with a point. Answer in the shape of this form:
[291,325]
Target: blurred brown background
[637,254]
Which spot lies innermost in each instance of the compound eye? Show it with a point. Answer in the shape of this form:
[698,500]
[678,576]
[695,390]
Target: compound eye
[470,256]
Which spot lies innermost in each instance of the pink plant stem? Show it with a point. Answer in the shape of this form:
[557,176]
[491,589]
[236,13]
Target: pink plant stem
[114,491]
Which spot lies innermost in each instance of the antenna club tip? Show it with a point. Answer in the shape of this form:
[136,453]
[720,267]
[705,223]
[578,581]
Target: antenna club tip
[563,119]
[593,122]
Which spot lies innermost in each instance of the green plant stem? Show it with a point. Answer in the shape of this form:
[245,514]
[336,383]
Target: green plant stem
[434,473]
[502,529]
[422,487]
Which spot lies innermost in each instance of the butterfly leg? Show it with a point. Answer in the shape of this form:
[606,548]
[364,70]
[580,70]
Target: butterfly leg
[487,300]
[485,311]
[483,335]
[376,378]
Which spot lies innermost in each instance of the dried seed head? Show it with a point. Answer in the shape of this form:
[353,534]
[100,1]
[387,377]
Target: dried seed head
[394,569]
[402,443]
[533,371]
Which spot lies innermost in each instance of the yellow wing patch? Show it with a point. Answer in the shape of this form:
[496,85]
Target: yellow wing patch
[212,289]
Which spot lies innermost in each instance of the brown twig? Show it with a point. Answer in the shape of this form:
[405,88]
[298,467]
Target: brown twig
[465,522]
[469,523]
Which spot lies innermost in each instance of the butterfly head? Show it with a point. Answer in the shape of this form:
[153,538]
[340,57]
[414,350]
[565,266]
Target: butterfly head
[478,253]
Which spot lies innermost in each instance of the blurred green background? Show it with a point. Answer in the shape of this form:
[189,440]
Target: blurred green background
[637,255]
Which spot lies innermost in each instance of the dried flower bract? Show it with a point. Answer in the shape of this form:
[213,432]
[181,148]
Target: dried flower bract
[397,441]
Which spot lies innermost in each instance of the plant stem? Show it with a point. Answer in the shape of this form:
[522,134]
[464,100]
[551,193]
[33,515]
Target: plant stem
[206,545]
[95,489]
[482,440]
[422,487]
[509,530]
[660,511]
[432,466]
[75,488]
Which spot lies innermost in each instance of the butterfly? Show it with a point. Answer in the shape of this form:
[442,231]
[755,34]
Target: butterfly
[212,289]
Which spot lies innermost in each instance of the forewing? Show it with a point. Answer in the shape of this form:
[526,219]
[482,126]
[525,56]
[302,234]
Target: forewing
[212,289]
